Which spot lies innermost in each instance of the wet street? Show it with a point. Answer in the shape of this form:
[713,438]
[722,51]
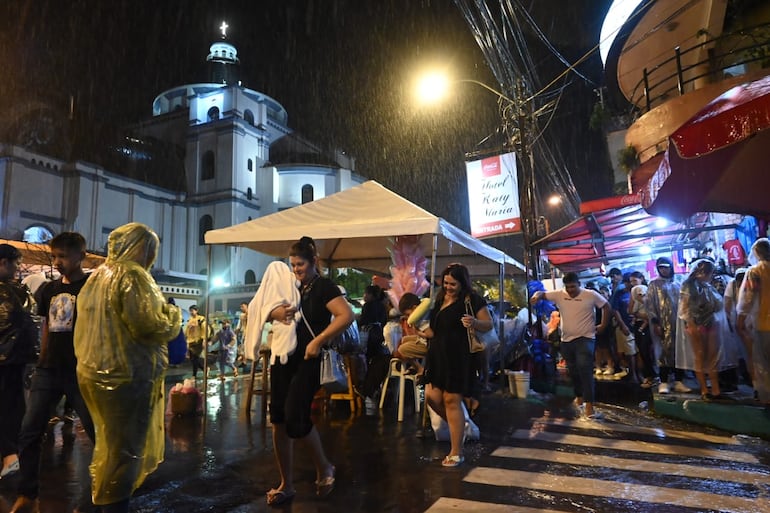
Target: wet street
[533,456]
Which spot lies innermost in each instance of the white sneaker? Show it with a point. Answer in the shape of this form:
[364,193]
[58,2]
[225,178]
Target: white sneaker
[620,375]
[598,371]
[663,388]
[609,371]
[681,388]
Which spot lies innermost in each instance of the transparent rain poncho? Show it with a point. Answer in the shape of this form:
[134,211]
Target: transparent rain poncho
[707,344]
[754,303]
[121,336]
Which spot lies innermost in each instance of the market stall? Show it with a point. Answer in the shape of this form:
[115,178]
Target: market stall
[36,258]
[355,227]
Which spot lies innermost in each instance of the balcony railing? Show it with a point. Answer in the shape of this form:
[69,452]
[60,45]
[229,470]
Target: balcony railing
[730,54]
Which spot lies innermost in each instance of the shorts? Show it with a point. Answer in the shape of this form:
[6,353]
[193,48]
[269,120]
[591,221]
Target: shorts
[292,388]
[412,347]
[625,344]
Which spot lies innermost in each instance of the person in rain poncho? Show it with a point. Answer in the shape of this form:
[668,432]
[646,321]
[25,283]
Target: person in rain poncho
[702,310]
[124,324]
[279,287]
[227,348]
[662,305]
[754,318]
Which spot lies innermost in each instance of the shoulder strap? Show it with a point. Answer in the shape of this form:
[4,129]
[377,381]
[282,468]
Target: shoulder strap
[305,320]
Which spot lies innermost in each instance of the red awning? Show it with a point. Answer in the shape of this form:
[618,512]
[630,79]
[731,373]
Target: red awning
[717,160]
[613,236]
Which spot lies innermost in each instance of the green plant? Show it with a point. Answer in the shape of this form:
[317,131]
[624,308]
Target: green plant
[628,159]
[599,116]
[513,291]
[703,32]
[354,281]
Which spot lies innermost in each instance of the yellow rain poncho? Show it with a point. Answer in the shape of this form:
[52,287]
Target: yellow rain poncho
[124,324]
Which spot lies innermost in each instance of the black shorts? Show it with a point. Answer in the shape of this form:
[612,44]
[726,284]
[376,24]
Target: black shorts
[292,388]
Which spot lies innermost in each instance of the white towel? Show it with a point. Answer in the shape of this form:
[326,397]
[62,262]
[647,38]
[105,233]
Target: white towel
[278,287]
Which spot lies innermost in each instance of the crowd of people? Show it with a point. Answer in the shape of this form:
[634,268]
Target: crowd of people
[105,339]
[654,334]
[102,344]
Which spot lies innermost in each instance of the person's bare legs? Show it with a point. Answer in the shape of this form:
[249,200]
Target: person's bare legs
[456,420]
[323,466]
[712,353]
[435,399]
[697,352]
[10,459]
[284,456]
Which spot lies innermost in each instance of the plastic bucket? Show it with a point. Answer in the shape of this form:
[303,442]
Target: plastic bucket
[518,383]
[522,384]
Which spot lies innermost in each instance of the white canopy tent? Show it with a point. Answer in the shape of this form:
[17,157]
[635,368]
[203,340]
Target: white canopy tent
[353,228]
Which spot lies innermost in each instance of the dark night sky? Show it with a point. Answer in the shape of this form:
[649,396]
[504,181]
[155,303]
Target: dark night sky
[341,68]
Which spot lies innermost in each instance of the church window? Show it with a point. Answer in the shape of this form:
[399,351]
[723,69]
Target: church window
[249,194]
[205,224]
[248,116]
[37,234]
[250,278]
[250,165]
[213,113]
[307,193]
[207,166]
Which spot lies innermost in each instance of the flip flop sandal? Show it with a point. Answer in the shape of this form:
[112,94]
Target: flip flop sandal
[278,497]
[325,486]
[452,461]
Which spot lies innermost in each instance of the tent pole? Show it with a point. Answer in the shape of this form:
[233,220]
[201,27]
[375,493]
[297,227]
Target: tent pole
[433,266]
[500,321]
[206,337]
[425,419]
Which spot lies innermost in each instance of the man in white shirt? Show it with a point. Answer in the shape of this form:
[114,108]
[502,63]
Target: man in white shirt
[578,326]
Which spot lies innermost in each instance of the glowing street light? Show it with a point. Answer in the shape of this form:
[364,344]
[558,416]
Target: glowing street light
[554,200]
[434,86]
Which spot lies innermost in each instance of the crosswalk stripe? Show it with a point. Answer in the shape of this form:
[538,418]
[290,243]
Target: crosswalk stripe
[448,505]
[616,490]
[738,476]
[624,428]
[632,445]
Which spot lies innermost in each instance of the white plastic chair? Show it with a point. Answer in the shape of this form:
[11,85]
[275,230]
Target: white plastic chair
[396,370]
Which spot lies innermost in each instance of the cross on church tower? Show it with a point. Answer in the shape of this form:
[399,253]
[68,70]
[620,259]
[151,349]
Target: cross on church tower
[224,28]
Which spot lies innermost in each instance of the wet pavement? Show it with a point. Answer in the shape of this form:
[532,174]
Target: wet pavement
[534,455]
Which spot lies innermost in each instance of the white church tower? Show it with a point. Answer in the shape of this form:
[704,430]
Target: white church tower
[229,132]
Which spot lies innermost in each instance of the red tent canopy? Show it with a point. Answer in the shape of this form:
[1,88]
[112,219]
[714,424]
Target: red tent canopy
[613,235]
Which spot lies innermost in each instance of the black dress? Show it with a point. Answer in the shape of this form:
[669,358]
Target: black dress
[449,365]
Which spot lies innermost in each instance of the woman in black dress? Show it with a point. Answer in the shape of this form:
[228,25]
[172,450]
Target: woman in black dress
[449,367]
[294,384]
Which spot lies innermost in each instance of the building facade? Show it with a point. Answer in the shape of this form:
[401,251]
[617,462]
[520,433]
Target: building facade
[223,136]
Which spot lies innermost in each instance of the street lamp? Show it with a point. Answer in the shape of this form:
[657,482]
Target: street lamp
[434,86]
[554,200]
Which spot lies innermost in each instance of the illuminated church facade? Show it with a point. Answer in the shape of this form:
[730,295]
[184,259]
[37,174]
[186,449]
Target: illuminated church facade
[222,135]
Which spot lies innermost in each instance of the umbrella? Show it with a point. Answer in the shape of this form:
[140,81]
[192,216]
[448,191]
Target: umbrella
[717,160]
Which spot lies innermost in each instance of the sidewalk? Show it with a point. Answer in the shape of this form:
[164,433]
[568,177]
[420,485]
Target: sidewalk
[738,415]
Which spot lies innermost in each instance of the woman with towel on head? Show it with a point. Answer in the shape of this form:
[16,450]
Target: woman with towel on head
[313,314]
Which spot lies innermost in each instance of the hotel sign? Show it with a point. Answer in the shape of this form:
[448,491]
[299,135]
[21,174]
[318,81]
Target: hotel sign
[493,196]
